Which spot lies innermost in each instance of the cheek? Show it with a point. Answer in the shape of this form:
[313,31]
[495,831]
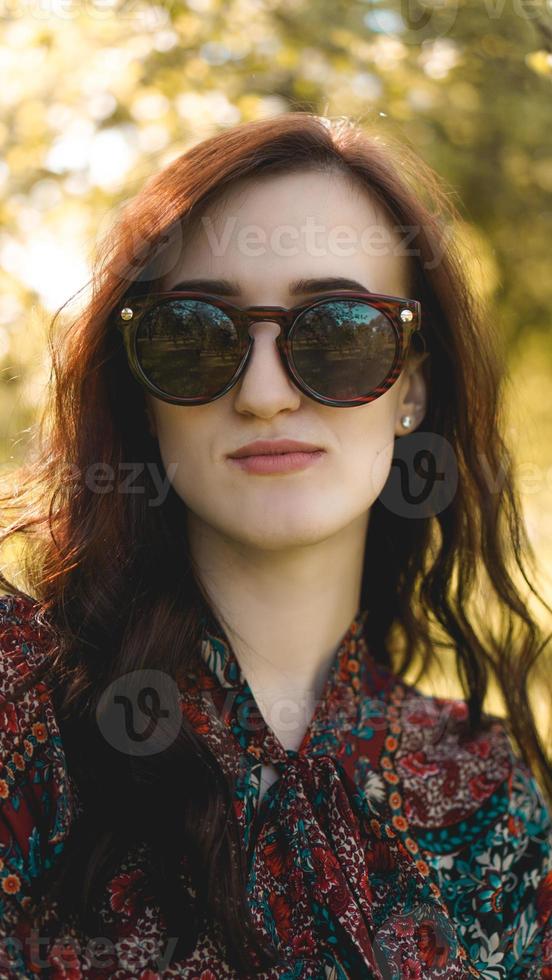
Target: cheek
[366,448]
[380,466]
[363,466]
[184,450]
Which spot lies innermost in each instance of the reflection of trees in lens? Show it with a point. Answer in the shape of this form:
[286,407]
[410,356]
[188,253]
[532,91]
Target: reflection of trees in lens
[344,325]
[190,323]
[188,348]
[343,350]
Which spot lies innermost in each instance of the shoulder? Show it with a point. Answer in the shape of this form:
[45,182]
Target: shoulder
[481,819]
[447,771]
[24,639]
[34,791]
[24,645]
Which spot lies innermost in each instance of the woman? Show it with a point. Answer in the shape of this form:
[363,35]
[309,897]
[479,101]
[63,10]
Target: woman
[213,765]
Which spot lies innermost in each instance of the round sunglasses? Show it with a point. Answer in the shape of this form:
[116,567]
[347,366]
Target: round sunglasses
[341,349]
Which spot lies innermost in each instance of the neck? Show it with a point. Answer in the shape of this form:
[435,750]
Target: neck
[284,612]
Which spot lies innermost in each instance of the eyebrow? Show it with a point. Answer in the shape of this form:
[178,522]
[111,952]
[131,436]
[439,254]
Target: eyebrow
[225,287]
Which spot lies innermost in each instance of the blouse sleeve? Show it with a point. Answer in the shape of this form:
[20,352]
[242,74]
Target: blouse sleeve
[34,792]
[485,830]
[523,866]
[494,861]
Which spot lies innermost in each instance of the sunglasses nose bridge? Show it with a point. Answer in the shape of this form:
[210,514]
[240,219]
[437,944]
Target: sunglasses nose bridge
[269,314]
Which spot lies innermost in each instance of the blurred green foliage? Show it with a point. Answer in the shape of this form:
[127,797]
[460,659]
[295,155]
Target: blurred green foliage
[97,94]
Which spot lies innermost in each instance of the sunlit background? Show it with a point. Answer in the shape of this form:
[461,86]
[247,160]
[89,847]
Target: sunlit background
[95,96]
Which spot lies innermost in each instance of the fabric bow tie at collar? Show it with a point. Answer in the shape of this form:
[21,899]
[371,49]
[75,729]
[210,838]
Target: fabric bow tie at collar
[336,859]
[326,869]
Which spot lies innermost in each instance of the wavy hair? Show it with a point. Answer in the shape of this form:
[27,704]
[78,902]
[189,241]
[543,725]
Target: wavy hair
[114,576]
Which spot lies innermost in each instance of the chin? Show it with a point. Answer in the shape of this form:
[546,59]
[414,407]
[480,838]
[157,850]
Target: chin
[276,536]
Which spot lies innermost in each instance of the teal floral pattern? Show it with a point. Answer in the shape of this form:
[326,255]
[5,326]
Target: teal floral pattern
[393,844]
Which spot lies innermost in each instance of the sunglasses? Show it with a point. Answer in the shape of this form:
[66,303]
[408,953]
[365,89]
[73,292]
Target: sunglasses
[342,349]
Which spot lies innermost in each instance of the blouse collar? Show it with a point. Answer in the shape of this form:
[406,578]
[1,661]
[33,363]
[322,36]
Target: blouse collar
[353,674]
[218,655]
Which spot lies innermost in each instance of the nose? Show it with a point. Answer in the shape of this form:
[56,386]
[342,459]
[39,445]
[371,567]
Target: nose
[265,387]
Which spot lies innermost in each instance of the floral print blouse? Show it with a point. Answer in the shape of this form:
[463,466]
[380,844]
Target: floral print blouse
[391,845]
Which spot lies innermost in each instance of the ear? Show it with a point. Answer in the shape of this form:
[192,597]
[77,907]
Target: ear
[412,400]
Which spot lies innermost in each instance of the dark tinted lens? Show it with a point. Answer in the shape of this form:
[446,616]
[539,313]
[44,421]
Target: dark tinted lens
[343,348]
[187,348]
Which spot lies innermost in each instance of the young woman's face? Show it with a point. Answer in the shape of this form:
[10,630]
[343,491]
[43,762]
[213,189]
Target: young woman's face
[292,227]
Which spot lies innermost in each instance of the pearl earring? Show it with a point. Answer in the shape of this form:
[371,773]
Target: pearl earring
[407,421]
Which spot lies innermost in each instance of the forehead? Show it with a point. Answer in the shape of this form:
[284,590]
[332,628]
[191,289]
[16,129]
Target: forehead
[284,226]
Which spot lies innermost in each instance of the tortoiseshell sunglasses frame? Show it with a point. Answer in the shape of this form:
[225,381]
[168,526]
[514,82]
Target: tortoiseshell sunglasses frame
[131,309]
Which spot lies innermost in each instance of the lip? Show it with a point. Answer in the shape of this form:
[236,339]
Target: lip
[272,463]
[272,447]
